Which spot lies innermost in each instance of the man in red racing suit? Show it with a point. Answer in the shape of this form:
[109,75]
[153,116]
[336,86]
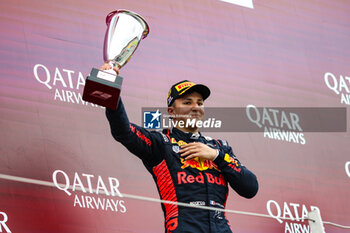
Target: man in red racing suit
[187,167]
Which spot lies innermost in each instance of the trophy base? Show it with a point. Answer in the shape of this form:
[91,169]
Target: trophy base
[102,88]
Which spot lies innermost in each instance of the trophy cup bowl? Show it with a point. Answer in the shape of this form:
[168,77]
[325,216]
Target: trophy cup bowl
[125,30]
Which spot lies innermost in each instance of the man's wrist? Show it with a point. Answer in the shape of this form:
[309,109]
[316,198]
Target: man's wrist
[216,155]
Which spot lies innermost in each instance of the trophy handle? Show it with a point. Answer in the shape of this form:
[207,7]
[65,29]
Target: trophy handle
[109,16]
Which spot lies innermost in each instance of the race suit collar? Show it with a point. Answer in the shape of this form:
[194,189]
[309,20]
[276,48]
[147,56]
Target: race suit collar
[185,135]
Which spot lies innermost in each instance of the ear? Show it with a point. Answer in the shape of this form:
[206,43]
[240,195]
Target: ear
[171,110]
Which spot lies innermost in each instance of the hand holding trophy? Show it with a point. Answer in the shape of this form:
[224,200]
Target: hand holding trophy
[125,30]
[107,66]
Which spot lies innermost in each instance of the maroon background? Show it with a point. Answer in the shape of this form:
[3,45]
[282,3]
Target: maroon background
[273,55]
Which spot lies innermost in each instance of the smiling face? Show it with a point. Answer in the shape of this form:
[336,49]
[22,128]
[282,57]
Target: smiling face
[187,107]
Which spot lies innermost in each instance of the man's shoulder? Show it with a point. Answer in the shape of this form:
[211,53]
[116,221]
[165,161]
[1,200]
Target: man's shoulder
[161,135]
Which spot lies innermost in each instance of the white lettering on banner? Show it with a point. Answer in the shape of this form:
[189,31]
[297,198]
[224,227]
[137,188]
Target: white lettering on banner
[293,213]
[296,228]
[269,210]
[78,185]
[288,136]
[47,75]
[291,121]
[99,203]
[66,82]
[339,86]
[95,185]
[3,223]
[347,168]
[66,178]
[274,121]
[245,3]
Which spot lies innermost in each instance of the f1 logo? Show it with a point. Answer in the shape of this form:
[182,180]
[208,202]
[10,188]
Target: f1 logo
[3,222]
[151,119]
[245,3]
[101,95]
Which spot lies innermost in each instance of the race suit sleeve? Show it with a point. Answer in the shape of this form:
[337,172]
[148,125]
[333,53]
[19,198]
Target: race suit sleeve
[144,144]
[243,181]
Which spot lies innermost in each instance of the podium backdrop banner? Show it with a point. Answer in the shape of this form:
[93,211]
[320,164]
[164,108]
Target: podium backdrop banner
[61,170]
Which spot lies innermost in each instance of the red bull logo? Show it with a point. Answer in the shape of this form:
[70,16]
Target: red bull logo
[202,164]
[199,164]
[184,178]
[179,143]
[233,163]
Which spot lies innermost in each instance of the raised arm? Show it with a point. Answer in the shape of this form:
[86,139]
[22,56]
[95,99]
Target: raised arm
[144,144]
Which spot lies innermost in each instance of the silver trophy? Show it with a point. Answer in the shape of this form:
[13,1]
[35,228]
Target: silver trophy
[125,29]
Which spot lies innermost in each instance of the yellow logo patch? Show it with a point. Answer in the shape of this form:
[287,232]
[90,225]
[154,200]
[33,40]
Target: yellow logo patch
[183,85]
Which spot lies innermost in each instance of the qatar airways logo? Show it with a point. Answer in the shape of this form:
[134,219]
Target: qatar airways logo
[92,187]
[3,225]
[295,213]
[339,85]
[65,84]
[277,124]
